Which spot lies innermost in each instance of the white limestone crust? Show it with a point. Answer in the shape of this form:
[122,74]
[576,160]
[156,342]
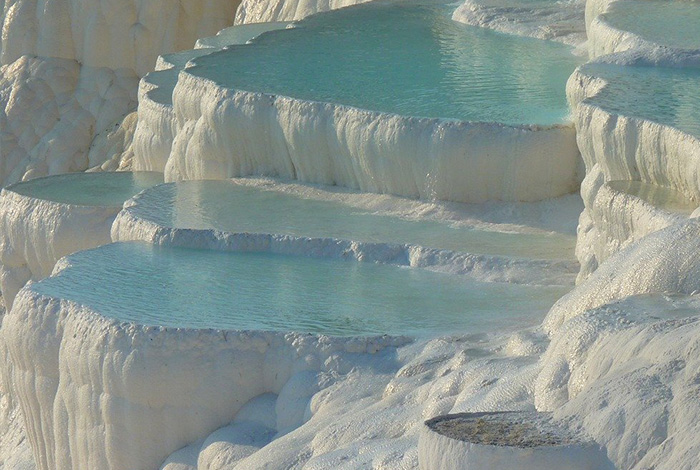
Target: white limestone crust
[167,387]
[222,133]
[617,147]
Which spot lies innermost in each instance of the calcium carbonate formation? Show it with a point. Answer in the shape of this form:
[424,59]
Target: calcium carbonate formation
[614,363]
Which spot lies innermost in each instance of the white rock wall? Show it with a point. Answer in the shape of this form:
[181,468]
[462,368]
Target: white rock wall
[112,149]
[221,133]
[617,147]
[119,34]
[50,110]
[70,71]
[96,393]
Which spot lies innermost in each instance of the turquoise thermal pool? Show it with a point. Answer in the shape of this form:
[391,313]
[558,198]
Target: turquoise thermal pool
[230,207]
[407,58]
[89,189]
[658,196]
[674,23]
[664,95]
[180,287]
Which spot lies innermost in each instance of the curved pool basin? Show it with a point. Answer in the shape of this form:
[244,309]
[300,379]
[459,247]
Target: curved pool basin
[410,59]
[181,287]
[107,189]
[231,207]
[674,23]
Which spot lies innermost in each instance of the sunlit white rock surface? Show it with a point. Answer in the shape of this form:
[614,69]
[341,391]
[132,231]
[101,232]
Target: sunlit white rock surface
[50,110]
[666,261]
[622,140]
[267,11]
[70,72]
[640,399]
[544,19]
[121,34]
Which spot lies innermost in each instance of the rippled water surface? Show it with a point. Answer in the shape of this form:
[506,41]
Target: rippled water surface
[226,206]
[89,189]
[407,58]
[180,287]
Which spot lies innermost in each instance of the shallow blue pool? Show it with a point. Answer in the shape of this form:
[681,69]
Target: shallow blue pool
[89,189]
[231,207]
[178,287]
[408,58]
[664,95]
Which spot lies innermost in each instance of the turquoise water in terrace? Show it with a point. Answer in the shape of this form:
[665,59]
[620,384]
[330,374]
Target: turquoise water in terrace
[673,23]
[179,287]
[664,95]
[89,189]
[664,198]
[406,58]
[226,206]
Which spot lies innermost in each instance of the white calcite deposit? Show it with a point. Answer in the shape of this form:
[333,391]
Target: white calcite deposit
[544,19]
[50,111]
[616,359]
[265,11]
[69,75]
[617,147]
[604,37]
[121,34]
[221,133]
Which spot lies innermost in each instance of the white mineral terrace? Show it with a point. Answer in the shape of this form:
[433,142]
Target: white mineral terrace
[327,140]
[650,140]
[665,31]
[419,311]
[264,215]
